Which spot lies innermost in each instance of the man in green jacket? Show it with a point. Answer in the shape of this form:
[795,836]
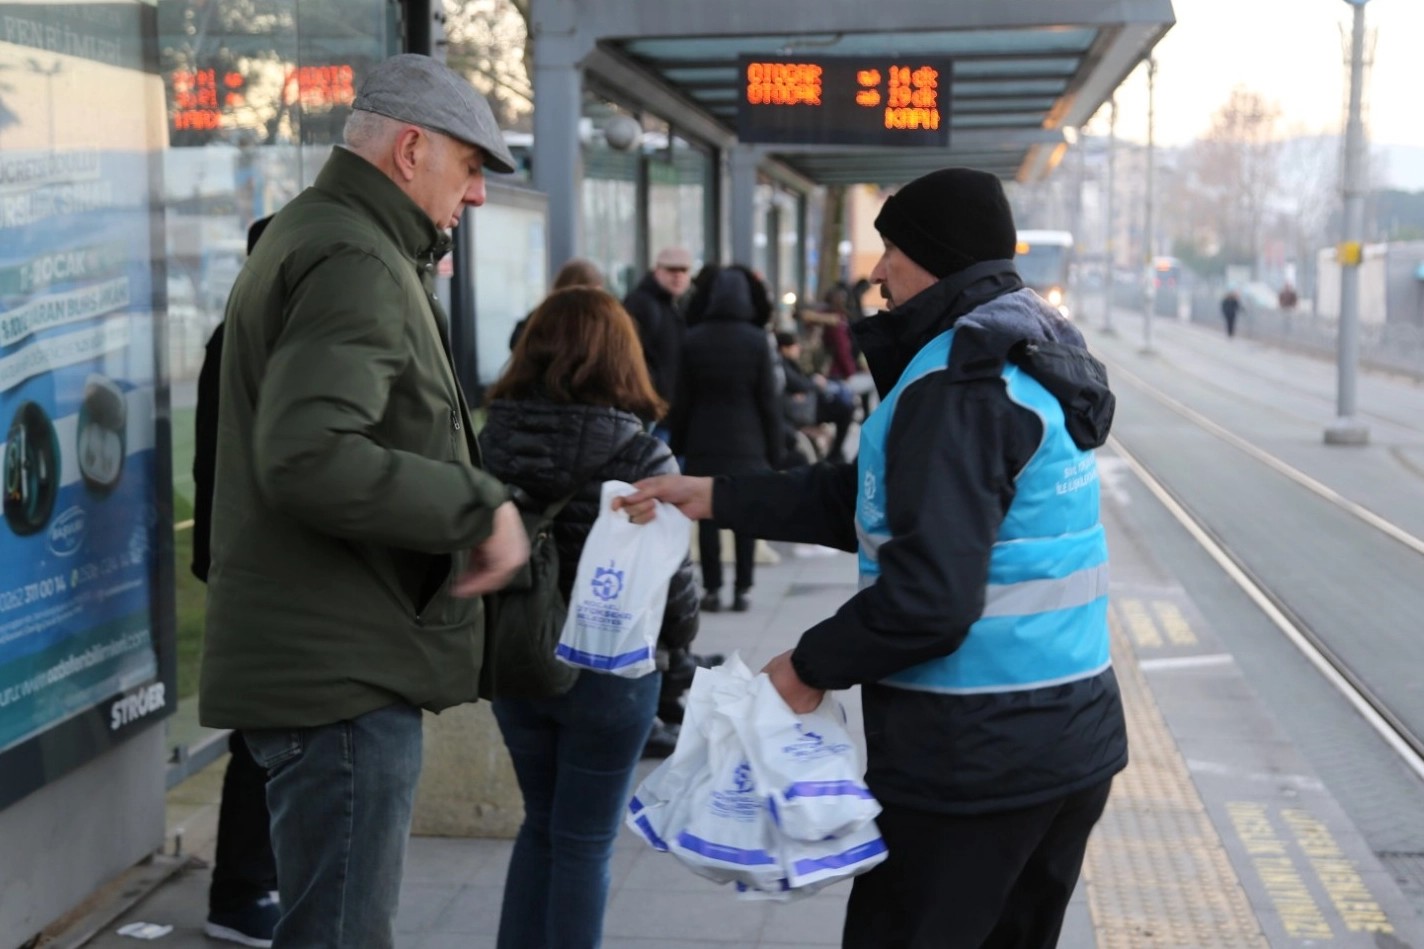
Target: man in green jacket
[353,529]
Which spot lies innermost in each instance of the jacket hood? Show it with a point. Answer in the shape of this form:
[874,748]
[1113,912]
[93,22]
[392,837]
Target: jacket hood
[730,298]
[1024,329]
[558,445]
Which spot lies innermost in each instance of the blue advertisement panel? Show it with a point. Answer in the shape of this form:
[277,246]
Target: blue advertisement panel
[85,519]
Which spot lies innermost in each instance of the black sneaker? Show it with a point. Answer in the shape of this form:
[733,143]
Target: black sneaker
[661,741]
[740,603]
[252,925]
[710,603]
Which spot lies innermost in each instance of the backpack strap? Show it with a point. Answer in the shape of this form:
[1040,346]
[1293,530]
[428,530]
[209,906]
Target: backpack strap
[552,511]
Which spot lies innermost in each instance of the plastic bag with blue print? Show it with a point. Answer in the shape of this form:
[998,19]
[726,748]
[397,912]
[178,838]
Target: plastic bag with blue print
[620,591]
[807,766]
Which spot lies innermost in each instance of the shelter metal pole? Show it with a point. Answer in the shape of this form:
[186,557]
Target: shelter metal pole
[558,165]
[744,160]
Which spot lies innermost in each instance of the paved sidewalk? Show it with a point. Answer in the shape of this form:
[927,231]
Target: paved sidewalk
[453,886]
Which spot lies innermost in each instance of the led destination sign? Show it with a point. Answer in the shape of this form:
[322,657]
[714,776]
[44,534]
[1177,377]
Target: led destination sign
[838,100]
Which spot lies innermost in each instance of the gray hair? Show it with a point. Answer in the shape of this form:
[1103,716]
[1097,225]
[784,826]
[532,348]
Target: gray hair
[364,129]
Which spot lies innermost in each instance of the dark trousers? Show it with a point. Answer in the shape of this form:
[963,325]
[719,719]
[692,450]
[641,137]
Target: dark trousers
[244,869]
[839,413]
[988,881]
[341,797]
[709,549]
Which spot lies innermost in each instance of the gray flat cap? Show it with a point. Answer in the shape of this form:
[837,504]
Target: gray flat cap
[416,89]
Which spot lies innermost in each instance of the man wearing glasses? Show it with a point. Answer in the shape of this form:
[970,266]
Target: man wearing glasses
[653,305]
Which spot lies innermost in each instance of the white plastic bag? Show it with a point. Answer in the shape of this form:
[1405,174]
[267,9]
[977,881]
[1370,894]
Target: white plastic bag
[620,591]
[709,805]
[658,809]
[810,865]
[727,836]
[805,764]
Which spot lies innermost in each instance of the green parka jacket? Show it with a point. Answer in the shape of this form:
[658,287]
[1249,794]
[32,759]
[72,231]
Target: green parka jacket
[348,489]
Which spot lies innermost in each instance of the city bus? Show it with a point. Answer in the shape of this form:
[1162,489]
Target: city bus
[1043,259]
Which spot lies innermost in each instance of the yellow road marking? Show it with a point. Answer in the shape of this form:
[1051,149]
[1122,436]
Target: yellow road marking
[1179,631]
[1300,915]
[1140,623]
[1353,900]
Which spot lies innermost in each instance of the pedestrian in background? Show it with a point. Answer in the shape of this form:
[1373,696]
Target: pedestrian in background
[564,417]
[811,400]
[575,273]
[654,305]
[727,418]
[1287,298]
[993,720]
[1230,308]
[353,528]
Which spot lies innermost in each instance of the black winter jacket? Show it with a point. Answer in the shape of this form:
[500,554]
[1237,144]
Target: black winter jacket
[955,446]
[660,329]
[727,418]
[545,449]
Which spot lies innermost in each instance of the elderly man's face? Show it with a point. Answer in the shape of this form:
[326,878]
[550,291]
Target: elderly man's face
[899,277]
[674,280]
[452,176]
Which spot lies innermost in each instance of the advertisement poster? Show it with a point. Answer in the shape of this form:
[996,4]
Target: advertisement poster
[80,511]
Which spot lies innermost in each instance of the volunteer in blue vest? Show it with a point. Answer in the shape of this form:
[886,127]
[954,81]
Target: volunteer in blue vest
[979,634]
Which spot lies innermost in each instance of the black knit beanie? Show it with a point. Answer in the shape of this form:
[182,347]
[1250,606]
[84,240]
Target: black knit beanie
[950,219]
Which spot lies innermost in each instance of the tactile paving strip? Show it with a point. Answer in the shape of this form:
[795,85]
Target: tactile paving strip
[1156,872]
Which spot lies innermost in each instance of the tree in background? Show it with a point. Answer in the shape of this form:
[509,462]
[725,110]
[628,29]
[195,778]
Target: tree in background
[488,41]
[1232,179]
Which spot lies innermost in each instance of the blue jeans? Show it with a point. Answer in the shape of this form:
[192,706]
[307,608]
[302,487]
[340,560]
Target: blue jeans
[574,756]
[341,797]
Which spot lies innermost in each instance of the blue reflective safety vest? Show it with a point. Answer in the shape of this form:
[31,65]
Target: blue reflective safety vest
[1046,604]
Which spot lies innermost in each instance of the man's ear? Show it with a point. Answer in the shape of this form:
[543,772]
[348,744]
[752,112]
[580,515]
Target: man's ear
[407,151]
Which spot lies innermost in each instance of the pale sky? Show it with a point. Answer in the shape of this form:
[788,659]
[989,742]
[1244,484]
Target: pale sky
[1293,52]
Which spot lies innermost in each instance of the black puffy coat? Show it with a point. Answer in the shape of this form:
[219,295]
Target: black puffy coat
[727,417]
[545,449]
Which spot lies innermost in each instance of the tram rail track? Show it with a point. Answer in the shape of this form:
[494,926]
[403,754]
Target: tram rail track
[1197,344]
[1403,740]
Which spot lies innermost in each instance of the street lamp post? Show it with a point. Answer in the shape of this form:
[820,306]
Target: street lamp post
[1347,429]
[1109,257]
[1147,224]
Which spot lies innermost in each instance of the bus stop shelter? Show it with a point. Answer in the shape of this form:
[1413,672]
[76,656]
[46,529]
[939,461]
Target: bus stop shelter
[1016,81]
